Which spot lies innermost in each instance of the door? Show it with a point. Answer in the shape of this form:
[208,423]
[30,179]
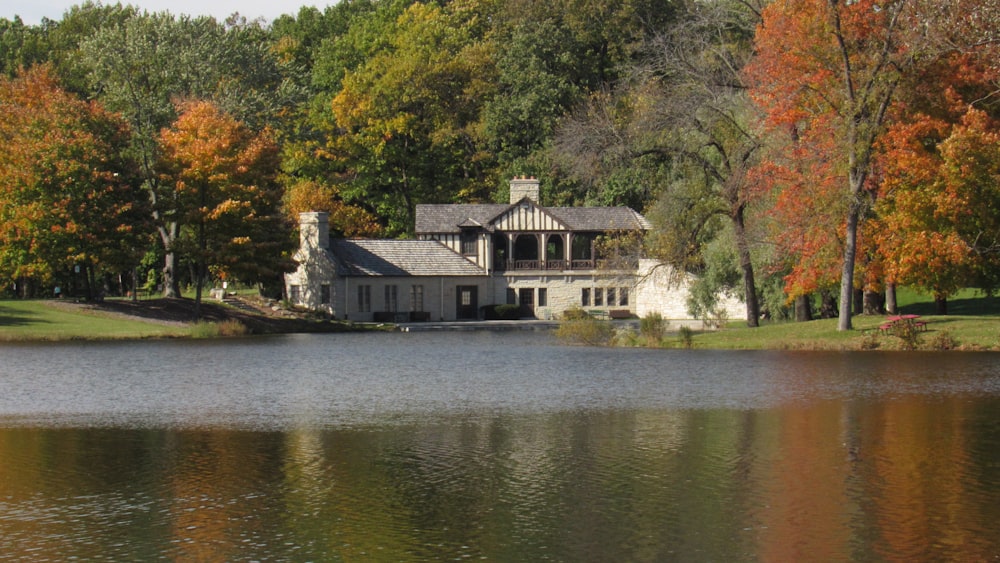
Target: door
[526,297]
[467,306]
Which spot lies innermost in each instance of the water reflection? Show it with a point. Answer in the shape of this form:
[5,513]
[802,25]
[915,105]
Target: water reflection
[674,457]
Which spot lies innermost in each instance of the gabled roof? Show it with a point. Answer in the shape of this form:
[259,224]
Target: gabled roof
[450,218]
[399,258]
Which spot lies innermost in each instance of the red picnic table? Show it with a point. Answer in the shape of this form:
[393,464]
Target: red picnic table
[893,320]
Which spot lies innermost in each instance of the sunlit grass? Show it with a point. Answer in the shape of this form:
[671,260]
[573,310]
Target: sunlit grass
[44,320]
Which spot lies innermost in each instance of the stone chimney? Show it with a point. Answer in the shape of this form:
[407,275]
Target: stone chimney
[314,230]
[524,187]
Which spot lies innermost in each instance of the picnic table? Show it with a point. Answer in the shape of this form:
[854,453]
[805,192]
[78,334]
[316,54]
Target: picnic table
[893,321]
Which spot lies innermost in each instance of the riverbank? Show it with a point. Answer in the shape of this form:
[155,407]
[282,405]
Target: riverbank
[121,319]
[116,319]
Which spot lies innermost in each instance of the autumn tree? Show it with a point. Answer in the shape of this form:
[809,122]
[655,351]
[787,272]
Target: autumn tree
[225,199]
[938,223]
[66,193]
[141,66]
[845,63]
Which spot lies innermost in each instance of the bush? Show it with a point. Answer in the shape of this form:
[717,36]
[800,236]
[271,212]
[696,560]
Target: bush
[943,341]
[502,312]
[653,326]
[685,335]
[908,335]
[205,329]
[588,332]
[575,314]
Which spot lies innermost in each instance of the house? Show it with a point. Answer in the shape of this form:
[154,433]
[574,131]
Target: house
[468,256]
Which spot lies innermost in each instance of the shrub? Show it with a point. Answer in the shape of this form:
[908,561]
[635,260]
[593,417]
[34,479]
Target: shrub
[685,335]
[943,341]
[588,332]
[653,326]
[206,329]
[870,340]
[908,335]
[502,312]
[575,314]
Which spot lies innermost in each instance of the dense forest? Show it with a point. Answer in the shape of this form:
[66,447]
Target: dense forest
[808,155]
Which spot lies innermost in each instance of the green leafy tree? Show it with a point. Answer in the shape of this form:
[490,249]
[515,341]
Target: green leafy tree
[407,118]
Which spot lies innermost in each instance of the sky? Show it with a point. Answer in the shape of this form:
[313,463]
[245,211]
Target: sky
[32,11]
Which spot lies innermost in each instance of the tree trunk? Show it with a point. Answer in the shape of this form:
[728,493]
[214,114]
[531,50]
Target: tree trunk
[940,305]
[168,235]
[828,309]
[890,299]
[872,303]
[803,308]
[746,265]
[850,252]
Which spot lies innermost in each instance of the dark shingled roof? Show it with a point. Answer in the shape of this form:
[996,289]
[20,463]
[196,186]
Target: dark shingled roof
[444,218]
[448,218]
[399,258]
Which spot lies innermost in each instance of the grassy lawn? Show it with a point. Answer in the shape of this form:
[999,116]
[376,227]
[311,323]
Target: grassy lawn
[46,320]
[973,323]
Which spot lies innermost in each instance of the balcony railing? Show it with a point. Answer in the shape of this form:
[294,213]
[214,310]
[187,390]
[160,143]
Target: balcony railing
[559,265]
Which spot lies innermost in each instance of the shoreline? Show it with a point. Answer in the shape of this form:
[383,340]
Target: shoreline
[174,319]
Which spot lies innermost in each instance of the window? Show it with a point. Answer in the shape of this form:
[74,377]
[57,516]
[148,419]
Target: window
[585,297]
[324,294]
[623,296]
[599,297]
[416,298]
[364,298]
[466,297]
[611,297]
[543,297]
[469,240]
[391,299]
[295,294]
[511,296]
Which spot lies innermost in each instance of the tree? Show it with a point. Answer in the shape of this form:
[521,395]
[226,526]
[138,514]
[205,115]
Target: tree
[407,118]
[225,196]
[688,120]
[846,62]
[141,66]
[66,193]
[939,226]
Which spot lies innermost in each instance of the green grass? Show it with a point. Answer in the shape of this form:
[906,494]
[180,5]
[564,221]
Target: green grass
[973,323]
[45,320]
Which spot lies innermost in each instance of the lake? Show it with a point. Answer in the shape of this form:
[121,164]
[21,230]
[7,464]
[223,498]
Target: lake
[493,446]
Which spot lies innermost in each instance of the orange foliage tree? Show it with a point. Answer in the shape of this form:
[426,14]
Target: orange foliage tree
[938,222]
[226,198]
[345,219]
[66,197]
[843,65]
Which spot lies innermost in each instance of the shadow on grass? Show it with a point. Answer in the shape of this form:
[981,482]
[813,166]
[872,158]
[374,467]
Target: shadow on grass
[13,318]
[970,306]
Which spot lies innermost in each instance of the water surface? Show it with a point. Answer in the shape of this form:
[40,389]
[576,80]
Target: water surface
[429,446]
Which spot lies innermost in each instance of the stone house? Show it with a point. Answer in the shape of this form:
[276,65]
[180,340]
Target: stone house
[467,256]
